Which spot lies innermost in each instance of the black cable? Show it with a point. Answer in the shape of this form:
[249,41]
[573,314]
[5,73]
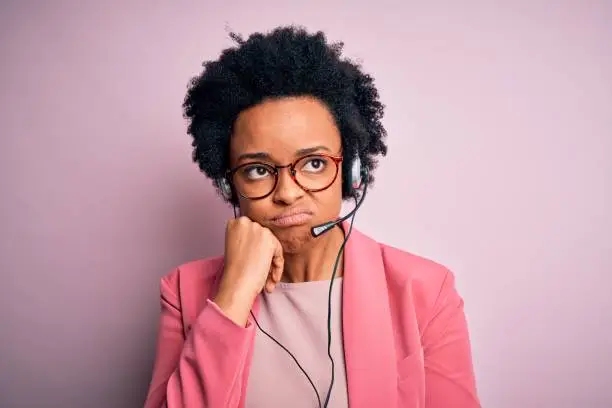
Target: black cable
[292,356]
[331,284]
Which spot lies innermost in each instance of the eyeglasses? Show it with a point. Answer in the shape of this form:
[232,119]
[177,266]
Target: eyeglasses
[257,180]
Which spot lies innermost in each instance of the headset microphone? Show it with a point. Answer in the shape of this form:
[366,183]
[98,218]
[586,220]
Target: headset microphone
[321,229]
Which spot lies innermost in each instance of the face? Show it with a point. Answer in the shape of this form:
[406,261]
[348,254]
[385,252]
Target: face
[277,133]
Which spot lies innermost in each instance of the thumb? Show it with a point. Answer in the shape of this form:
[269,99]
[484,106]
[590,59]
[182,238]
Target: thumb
[278,262]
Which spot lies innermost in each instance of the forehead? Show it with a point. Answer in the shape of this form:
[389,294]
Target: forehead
[281,127]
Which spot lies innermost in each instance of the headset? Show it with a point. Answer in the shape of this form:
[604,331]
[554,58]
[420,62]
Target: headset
[359,181]
[225,187]
[359,177]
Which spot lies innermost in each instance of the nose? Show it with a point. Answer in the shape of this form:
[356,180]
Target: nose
[287,191]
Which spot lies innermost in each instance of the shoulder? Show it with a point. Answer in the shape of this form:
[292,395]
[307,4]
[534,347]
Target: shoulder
[192,280]
[422,274]
[419,288]
[403,271]
[417,283]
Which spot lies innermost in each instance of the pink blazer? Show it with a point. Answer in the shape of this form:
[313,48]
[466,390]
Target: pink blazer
[405,336]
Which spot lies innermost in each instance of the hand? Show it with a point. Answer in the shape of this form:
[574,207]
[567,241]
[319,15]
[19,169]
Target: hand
[253,260]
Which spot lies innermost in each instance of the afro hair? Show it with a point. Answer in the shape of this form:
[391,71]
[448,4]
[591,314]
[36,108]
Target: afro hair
[285,62]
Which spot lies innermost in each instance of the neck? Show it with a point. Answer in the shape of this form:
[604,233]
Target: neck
[317,261]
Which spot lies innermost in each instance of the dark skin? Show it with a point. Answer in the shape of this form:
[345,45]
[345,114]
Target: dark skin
[279,132]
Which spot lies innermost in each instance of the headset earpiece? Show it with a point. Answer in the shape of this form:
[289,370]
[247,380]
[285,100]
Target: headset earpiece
[358,174]
[225,187]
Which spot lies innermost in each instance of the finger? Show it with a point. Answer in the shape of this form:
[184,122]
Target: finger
[270,284]
[278,263]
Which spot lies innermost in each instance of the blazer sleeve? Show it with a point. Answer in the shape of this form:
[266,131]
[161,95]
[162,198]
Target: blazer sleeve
[203,369]
[449,373]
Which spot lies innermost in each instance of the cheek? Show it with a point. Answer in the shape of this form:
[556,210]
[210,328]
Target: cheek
[330,200]
[337,187]
[254,209]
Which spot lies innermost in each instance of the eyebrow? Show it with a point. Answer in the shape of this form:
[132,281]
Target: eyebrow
[266,156]
[310,150]
[255,156]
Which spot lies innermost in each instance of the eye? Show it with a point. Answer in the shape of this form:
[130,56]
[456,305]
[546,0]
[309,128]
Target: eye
[256,172]
[315,165]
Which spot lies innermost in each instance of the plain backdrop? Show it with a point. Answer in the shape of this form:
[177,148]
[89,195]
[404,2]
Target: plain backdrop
[499,116]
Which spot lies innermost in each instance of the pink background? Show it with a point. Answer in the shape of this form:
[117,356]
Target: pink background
[500,122]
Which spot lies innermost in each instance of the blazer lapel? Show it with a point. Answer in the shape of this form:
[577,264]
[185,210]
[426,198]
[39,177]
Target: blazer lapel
[368,334]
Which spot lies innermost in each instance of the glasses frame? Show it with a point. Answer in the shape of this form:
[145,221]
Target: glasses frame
[275,170]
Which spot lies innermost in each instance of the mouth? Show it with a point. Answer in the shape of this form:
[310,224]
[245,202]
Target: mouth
[292,218]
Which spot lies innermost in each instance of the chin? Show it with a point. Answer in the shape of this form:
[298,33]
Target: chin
[294,239]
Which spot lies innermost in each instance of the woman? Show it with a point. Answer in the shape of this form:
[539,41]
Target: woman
[301,311]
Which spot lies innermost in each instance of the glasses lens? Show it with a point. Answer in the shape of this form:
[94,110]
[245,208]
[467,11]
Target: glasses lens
[254,180]
[315,172]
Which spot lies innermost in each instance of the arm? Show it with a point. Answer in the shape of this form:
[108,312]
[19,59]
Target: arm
[449,374]
[205,368]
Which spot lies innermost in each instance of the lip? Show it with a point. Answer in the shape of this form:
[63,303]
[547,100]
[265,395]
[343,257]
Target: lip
[292,218]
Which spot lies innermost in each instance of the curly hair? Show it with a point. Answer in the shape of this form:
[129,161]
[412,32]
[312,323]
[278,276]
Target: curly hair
[285,62]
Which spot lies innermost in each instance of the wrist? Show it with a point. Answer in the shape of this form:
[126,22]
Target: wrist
[235,305]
